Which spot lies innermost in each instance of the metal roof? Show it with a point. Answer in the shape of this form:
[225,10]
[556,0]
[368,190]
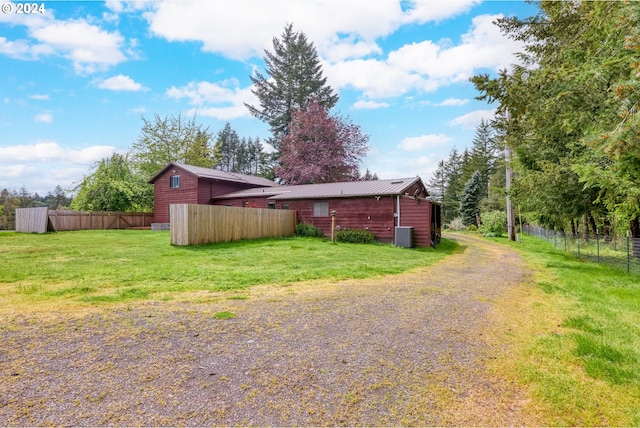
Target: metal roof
[216,174]
[345,189]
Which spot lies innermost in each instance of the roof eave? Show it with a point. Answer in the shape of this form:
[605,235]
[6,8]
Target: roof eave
[162,171]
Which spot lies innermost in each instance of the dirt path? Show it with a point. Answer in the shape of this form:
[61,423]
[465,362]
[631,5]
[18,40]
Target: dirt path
[400,350]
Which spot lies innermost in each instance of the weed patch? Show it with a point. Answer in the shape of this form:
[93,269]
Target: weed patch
[224,315]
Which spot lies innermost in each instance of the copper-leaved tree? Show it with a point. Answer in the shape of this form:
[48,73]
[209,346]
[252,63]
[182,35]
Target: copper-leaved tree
[320,148]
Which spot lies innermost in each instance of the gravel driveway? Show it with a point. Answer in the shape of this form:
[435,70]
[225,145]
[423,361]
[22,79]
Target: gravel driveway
[398,350]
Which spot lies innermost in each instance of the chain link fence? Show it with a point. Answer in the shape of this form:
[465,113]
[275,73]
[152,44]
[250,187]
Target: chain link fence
[620,252]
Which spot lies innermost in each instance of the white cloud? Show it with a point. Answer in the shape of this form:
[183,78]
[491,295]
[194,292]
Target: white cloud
[222,100]
[44,118]
[40,97]
[421,11]
[52,151]
[121,83]
[369,105]
[376,79]
[424,142]
[427,65]
[247,37]
[121,6]
[358,22]
[18,49]
[472,119]
[12,171]
[337,49]
[453,102]
[89,47]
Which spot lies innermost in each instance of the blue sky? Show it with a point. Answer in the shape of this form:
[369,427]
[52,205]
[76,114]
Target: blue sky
[78,75]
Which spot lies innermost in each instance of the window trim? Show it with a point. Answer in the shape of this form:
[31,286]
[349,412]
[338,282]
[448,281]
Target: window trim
[174,181]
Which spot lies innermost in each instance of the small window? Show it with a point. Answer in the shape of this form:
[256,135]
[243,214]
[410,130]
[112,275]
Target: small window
[272,205]
[174,181]
[321,209]
[285,207]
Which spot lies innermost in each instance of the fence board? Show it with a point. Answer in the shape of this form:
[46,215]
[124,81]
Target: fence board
[31,220]
[35,220]
[202,224]
[79,220]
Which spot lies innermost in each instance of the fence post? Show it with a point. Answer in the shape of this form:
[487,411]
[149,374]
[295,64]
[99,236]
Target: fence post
[579,239]
[628,251]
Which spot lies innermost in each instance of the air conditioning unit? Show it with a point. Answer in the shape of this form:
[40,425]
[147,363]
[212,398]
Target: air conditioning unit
[404,236]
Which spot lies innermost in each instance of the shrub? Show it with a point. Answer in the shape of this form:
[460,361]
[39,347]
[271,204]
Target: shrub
[456,224]
[493,223]
[355,236]
[305,229]
[472,228]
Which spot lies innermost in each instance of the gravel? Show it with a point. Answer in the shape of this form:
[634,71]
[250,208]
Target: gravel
[396,350]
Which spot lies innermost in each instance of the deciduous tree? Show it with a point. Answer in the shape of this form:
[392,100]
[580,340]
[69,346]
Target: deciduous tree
[321,148]
[114,186]
[171,139]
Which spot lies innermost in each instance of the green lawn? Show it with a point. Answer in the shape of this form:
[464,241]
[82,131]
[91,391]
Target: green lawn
[119,265]
[578,339]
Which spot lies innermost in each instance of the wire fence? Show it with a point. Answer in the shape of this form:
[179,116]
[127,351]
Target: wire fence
[622,252]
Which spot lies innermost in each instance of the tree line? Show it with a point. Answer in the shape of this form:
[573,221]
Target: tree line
[568,114]
[12,199]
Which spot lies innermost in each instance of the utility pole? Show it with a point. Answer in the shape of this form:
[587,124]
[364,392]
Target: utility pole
[511,219]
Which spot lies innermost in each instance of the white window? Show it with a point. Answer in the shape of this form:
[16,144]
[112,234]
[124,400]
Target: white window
[174,181]
[321,209]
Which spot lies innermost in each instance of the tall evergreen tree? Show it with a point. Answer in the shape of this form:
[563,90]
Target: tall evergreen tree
[226,146]
[482,156]
[293,78]
[470,200]
[242,155]
[438,182]
[57,199]
[454,186]
[368,176]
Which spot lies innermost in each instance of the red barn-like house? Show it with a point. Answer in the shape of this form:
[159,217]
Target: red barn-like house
[186,184]
[379,206]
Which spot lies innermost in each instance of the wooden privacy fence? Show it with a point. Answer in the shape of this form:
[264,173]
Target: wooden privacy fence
[31,220]
[202,224]
[40,220]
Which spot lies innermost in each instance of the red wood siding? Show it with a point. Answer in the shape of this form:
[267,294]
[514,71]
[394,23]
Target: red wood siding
[193,190]
[208,189]
[417,213]
[351,213]
[164,195]
[358,213]
[240,202]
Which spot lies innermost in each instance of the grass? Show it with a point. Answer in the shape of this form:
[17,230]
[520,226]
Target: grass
[576,340]
[100,267]
[224,315]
